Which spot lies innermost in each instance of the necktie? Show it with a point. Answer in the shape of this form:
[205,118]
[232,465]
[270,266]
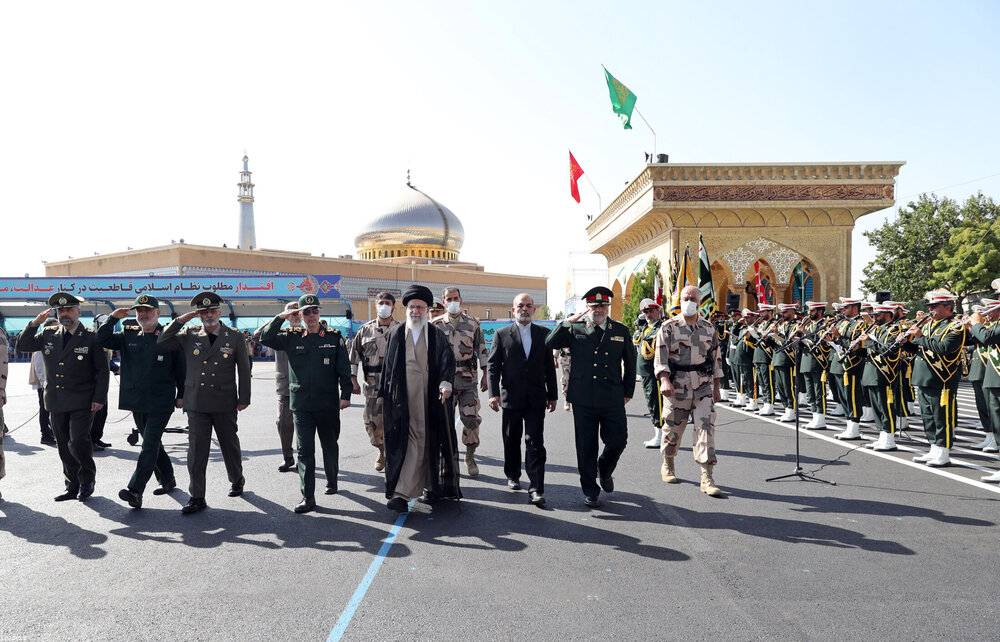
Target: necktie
[599,331]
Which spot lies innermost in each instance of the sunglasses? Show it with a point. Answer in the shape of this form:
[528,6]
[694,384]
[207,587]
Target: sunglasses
[310,311]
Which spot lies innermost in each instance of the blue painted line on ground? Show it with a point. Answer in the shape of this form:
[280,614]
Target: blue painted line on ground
[359,593]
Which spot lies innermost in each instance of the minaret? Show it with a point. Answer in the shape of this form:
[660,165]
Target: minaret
[248,237]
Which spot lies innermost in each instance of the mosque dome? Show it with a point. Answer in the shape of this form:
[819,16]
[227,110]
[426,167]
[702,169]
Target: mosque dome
[414,225]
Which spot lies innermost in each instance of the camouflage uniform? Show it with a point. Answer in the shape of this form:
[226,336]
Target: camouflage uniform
[466,338]
[562,355]
[690,355]
[368,350]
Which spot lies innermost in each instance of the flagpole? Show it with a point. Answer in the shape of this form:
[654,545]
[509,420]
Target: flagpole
[599,207]
[636,110]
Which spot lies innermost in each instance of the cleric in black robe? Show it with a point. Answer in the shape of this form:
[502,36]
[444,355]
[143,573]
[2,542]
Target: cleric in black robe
[420,446]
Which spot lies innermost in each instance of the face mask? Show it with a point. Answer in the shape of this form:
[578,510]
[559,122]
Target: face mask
[453,307]
[383,311]
[689,308]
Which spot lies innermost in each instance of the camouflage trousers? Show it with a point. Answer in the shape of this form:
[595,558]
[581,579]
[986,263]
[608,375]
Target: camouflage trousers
[675,419]
[467,405]
[373,420]
[564,377]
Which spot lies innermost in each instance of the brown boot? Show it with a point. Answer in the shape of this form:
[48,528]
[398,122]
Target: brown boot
[380,460]
[707,483]
[667,470]
[470,460]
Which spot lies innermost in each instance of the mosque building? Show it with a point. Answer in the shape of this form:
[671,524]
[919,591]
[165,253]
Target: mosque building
[416,239]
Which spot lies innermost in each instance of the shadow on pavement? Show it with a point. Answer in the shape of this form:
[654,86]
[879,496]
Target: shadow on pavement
[40,528]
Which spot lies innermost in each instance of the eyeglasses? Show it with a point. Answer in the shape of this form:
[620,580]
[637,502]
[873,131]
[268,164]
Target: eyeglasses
[310,311]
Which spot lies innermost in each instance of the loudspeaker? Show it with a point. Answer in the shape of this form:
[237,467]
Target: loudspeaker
[883,295]
[732,302]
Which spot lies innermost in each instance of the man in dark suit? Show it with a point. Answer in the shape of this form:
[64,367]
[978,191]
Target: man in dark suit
[522,378]
[216,388]
[76,386]
[601,382]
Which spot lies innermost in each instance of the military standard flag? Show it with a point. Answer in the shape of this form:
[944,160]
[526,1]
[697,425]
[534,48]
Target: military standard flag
[684,279]
[708,305]
[575,172]
[622,100]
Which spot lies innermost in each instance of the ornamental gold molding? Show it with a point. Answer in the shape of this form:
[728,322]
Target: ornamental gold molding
[755,193]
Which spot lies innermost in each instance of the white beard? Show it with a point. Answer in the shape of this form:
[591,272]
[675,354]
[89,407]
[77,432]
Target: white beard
[415,325]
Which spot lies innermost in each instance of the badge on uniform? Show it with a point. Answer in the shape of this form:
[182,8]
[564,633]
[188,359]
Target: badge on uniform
[196,352]
[326,361]
[617,338]
[79,357]
[82,350]
[47,351]
[159,357]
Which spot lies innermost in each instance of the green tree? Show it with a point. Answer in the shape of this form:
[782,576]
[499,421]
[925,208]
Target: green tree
[642,288]
[543,313]
[971,258]
[559,315]
[907,247]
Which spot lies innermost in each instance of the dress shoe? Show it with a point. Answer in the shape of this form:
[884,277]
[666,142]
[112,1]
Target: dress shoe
[940,458]
[102,444]
[818,421]
[886,442]
[86,490]
[307,504]
[130,497]
[397,504]
[98,447]
[288,466]
[608,484]
[70,493]
[48,440]
[330,490]
[165,487]
[591,500]
[765,411]
[789,415]
[237,489]
[194,505]
[536,498]
[513,484]
[428,498]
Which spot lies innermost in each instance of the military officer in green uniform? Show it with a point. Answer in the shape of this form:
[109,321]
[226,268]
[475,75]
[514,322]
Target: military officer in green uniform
[721,324]
[601,382]
[216,389]
[76,386]
[937,343]
[152,386]
[647,353]
[984,327]
[783,361]
[741,358]
[847,366]
[880,373]
[903,390]
[815,362]
[762,353]
[319,375]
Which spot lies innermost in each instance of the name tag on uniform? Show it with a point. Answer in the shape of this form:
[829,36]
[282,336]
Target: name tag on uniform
[300,347]
[83,350]
[326,361]
[617,338]
[159,357]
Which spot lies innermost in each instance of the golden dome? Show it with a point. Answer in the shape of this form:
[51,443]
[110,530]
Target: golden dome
[415,225]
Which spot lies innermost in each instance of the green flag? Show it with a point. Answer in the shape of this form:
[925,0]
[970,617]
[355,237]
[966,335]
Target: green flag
[708,306]
[622,100]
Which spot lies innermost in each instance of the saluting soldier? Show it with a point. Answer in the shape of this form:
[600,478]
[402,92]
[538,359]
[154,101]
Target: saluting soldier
[601,382]
[880,373]
[984,327]
[152,386]
[216,389]
[689,367]
[368,351]
[937,343]
[783,361]
[76,386]
[317,364]
[644,367]
[848,365]
[762,353]
[815,362]
[465,336]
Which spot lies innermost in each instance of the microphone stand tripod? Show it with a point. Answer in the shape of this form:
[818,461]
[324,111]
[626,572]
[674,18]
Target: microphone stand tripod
[798,472]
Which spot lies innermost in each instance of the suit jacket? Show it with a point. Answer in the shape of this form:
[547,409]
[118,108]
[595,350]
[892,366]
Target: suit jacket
[211,383]
[603,370]
[519,381]
[76,367]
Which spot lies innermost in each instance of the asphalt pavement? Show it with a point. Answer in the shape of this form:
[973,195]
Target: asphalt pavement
[894,550]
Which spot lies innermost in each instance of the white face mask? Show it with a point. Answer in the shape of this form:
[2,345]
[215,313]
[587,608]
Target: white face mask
[453,307]
[689,308]
[383,311]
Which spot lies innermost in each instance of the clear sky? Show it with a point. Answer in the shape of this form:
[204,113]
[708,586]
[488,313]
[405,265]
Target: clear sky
[123,123]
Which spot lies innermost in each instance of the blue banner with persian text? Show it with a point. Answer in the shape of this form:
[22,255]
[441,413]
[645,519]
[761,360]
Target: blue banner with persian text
[325,286]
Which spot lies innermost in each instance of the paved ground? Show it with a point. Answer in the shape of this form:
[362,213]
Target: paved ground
[893,551]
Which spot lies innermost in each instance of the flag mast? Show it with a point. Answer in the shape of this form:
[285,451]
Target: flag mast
[636,110]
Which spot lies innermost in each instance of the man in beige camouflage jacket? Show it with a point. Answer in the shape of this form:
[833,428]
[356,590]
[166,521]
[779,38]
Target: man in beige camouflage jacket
[466,339]
[689,365]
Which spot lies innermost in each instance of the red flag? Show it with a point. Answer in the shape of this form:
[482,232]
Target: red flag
[575,172]
[657,292]
[761,297]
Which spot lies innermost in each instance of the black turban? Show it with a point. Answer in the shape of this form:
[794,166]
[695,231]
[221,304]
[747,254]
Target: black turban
[420,292]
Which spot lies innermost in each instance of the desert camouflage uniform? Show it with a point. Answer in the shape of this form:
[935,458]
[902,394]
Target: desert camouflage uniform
[368,350]
[563,357]
[679,346]
[466,338]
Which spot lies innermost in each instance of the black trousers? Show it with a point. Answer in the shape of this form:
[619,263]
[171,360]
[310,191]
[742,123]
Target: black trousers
[608,424]
[43,415]
[76,450]
[153,459]
[97,426]
[654,403]
[530,422]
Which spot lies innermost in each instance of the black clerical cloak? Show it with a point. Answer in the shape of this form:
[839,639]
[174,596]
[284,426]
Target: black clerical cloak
[441,442]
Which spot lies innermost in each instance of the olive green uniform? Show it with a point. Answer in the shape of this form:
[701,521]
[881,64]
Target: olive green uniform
[644,368]
[880,374]
[937,370]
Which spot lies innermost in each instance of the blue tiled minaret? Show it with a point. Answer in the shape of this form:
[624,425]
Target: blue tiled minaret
[248,236]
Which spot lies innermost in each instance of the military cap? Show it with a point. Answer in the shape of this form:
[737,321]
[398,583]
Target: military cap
[815,304]
[939,297]
[989,305]
[883,307]
[599,295]
[846,300]
[438,305]
[308,301]
[748,311]
[646,304]
[145,301]
[867,304]
[787,306]
[64,300]
[420,292]
[765,307]
[995,284]
[206,300]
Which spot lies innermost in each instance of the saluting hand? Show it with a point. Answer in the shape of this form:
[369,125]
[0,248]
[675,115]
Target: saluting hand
[287,314]
[40,319]
[121,313]
[187,316]
[573,318]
